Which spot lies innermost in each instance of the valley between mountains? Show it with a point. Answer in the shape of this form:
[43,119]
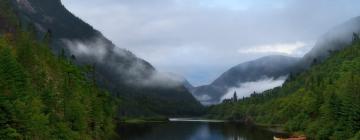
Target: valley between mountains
[62,79]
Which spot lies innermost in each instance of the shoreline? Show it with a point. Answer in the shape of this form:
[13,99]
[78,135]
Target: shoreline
[196,120]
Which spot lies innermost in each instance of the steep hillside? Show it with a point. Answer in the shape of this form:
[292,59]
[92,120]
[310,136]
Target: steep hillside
[43,96]
[269,66]
[322,102]
[143,88]
[336,39]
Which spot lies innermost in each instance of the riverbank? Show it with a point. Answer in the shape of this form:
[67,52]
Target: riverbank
[165,119]
[143,119]
[195,120]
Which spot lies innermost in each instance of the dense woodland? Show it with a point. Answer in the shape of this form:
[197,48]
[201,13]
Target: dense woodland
[322,102]
[43,96]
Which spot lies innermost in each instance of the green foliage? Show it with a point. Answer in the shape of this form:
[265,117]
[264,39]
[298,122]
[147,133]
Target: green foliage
[323,102]
[47,97]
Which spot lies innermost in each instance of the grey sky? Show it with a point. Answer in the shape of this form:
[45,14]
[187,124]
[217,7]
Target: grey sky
[200,39]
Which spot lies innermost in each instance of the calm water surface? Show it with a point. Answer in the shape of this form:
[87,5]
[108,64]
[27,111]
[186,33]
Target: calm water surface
[193,130]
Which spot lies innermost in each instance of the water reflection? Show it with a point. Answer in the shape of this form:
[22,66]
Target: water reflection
[192,131]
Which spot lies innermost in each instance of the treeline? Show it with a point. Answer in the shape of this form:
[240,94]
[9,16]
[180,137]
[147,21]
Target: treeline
[43,96]
[322,102]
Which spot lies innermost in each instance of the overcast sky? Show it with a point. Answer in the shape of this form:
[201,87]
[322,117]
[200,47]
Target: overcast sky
[200,39]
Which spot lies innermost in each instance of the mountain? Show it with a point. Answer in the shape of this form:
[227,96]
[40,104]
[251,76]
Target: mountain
[43,96]
[188,86]
[144,90]
[322,102]
[336,39]
[324,91]
[270,66]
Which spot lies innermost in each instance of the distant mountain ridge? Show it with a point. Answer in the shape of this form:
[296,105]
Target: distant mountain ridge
[117,70]
[273,66]
[320,103]
[336,39]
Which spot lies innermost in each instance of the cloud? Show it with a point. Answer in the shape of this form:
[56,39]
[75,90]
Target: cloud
[94,48]
[282,48]
[158,79]
[200,39]
[247,88]
[203,98]
[136,72]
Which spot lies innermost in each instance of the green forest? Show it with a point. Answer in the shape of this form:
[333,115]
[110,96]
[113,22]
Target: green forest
[48,96]
[322,102]
[43,96]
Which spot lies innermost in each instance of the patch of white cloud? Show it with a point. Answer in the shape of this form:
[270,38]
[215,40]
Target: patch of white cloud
[282,48]
[95,49]
[99,50]
[158,79]
[247,88]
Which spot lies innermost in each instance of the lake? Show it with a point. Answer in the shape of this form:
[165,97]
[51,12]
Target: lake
[189,129]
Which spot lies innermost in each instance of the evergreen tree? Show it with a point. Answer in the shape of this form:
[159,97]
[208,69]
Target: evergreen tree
[235,98]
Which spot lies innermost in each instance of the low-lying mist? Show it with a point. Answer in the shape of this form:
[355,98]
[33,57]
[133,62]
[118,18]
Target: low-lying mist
[247,88]
[121,63]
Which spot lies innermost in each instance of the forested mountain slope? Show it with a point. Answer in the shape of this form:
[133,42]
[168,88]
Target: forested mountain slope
[335,39]
[43,96]
[322,102]
[274,66]
[144,90]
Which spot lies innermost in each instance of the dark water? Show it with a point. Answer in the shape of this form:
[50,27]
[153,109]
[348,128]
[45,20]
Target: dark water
[192,131]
